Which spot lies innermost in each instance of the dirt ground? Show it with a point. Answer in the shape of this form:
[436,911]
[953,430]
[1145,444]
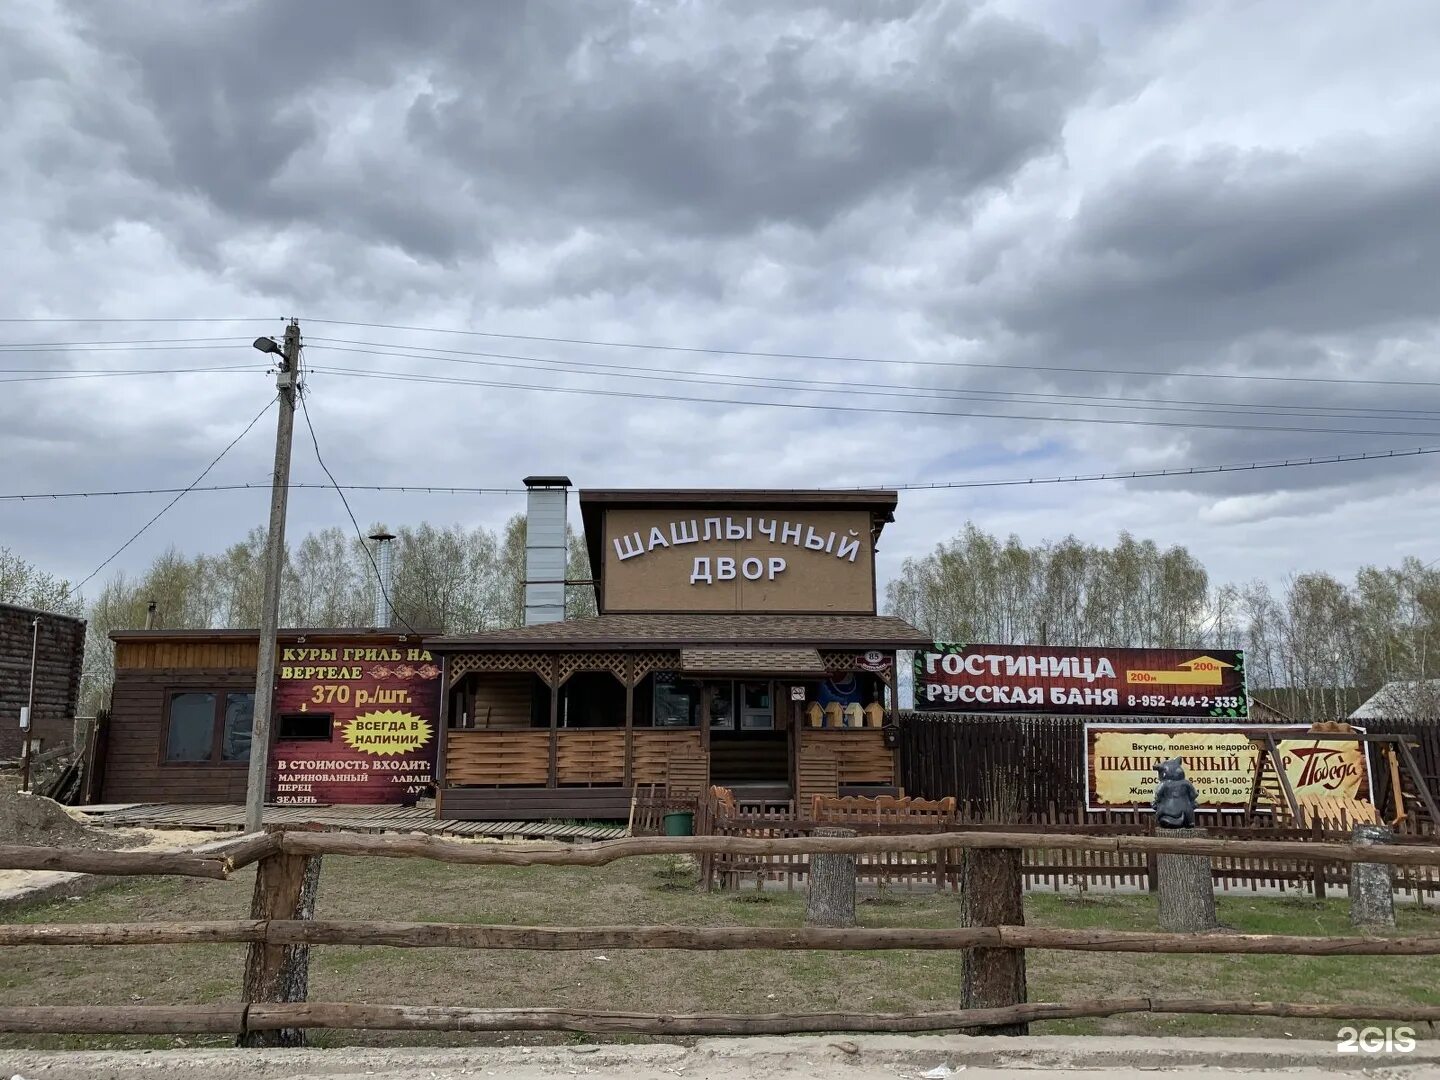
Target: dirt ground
[858,1058]
[659,891]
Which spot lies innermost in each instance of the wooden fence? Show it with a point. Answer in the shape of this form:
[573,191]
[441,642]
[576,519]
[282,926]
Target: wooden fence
[281,926]
[1043,758]
[1054,868]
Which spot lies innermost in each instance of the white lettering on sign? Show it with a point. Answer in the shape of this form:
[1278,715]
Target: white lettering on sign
[1030,667]
[685,532]
[769,528]
[849,546]
[657,539]
[790,534]
[724,569]
[713,529]
[633,546]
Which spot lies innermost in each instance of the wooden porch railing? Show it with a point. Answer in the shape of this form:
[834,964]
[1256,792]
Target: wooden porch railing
[520,757]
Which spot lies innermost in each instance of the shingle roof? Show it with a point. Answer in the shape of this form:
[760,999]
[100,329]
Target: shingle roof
[675,630]
[765,660]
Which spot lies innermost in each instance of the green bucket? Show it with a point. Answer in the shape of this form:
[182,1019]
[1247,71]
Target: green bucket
[681,823]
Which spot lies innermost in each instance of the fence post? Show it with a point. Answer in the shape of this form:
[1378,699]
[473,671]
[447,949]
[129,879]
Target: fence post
[1186,895]
[992,894]
[285,887]
[1319,868]
[1372,897]
[830,885]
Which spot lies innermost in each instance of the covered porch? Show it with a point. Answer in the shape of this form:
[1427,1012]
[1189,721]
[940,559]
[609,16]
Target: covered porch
[573,732]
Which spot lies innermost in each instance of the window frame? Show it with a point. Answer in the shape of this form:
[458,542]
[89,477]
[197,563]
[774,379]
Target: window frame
[221,694]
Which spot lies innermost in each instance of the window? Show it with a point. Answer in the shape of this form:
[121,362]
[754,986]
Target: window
[209,727]
[305,726]
[677,703]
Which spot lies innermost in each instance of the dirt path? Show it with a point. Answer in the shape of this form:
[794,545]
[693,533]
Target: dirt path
[854,1058]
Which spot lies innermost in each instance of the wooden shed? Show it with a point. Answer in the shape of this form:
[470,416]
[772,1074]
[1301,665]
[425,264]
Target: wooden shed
[57,643]
[354,717]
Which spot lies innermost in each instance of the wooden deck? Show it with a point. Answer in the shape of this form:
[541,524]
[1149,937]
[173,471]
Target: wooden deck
[353,818]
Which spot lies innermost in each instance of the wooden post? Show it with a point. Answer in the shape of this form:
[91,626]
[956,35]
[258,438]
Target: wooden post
[830,885]
[1372,895]
[1186,888]
[1317,830]
[442,736]
[285,887]
[628,780]
[992,894]
[553,771]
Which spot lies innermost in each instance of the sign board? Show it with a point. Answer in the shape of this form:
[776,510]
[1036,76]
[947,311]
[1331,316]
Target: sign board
[954,677]
[797,693]
[1120,762]
[355,723]
[738,560]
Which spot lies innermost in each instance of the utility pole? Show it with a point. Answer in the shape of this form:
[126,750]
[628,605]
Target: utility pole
[288,382]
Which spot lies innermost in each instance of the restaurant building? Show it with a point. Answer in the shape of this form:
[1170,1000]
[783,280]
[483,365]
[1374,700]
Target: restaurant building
[737,642]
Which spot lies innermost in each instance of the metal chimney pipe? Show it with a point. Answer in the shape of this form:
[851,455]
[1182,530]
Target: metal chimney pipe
[383,607]
[545,548]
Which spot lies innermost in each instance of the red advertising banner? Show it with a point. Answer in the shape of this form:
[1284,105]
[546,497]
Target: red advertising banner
[955,677]
[355,723]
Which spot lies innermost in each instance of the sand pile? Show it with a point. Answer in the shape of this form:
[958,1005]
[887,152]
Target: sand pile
[40,822]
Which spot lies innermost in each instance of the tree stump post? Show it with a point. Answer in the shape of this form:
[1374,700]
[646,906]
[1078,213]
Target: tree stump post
[285,888]
[830,885]
[1186,888]
[1372,895]
[992,894]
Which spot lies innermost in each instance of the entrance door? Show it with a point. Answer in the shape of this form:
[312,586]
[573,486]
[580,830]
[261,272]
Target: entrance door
[757,707]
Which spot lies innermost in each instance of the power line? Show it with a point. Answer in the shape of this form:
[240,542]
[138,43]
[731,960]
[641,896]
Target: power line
[716,351]
[869,409]
[1133,474]
[7,345]
[111,374]
[205,472]
[1085,401]
[146,319]
[379,581]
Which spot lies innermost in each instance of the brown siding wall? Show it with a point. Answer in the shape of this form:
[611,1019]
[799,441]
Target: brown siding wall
[151,655]
[57,676]
[133,769]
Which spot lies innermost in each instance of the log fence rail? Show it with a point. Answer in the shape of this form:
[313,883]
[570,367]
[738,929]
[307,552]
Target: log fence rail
[282,928]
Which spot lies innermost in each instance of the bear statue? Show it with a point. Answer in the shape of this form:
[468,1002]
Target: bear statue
[1174,801]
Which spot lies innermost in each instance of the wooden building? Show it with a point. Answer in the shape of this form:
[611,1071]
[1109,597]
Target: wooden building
[354,717]
[737,642]
[57,645]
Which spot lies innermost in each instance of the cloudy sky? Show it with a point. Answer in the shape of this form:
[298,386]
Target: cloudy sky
[1012,239]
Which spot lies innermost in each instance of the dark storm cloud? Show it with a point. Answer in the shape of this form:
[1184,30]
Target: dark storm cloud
[565,113]
[1233,243]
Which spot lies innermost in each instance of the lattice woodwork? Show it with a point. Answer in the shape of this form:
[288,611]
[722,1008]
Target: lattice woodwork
[568,663]
[491,758]
[536,663]
[643,663]
[841,661]
[594,756]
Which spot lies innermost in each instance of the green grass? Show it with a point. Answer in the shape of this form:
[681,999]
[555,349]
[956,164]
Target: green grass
[659,891]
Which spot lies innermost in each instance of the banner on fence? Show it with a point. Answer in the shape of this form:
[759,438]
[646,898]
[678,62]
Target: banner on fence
[1120,762]
[954,677]
[355,723]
